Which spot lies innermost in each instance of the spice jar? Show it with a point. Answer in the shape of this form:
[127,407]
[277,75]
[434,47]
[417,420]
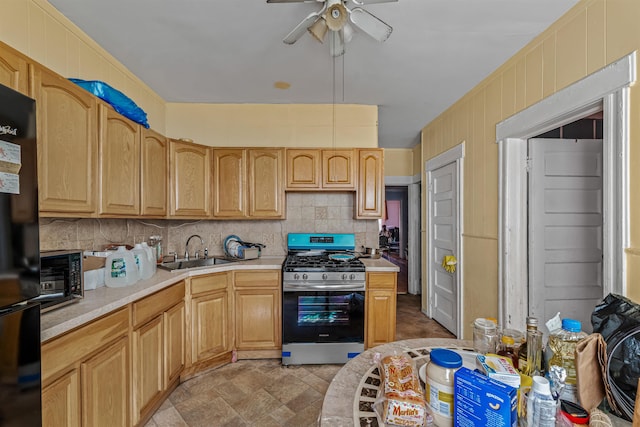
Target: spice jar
[485,335]
[439,384]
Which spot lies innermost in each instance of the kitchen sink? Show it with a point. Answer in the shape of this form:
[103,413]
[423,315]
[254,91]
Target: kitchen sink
[193,263]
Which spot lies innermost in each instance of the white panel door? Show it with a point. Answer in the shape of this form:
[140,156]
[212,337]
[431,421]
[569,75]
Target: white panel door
[565,228]
[443,234]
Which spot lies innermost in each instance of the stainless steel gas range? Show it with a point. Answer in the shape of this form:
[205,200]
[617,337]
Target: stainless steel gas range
[323,296]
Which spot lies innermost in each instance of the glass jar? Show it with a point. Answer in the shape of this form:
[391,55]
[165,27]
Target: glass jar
[441,368]
[485,335]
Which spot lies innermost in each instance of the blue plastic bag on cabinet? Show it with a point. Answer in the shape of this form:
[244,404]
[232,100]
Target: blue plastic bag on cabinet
[118,100]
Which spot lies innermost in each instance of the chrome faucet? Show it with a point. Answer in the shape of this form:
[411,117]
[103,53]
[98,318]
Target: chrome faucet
[186,246]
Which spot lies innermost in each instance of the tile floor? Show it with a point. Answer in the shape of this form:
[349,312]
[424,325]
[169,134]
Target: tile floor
[264,393]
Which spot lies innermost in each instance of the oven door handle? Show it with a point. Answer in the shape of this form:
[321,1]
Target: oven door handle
[288,287]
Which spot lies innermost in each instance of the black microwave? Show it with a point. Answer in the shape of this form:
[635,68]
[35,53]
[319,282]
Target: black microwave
[61,278]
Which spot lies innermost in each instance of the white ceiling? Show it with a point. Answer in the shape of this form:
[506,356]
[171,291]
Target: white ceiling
[231,51]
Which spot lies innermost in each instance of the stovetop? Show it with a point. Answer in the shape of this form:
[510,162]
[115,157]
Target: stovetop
[323,262]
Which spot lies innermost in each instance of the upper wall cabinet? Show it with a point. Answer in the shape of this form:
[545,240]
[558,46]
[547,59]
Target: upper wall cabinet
[313,169]
[67,146]
[370,193]
[248,183]
[266,183]
[338,169]
[119,164]
[229,183]
[14,70]
[154,154]
[190,177]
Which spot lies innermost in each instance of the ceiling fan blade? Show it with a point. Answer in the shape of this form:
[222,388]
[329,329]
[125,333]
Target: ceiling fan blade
[336,44]
[366,2]
[371,25]
[301,28]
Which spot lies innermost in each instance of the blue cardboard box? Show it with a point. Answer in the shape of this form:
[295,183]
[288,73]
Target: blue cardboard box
[481,401]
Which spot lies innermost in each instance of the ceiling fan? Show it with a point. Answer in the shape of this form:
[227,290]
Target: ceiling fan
[337,18]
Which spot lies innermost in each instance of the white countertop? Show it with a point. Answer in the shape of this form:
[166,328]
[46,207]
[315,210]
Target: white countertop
[101,301]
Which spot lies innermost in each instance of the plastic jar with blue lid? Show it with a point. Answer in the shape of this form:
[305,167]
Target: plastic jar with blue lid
[441,368]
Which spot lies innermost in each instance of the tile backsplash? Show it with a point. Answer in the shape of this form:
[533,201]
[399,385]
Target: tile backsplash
[306,213]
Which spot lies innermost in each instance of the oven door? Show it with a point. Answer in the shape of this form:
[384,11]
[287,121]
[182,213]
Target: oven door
[322,316]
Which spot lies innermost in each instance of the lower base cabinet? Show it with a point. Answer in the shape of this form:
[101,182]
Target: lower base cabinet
[380,308]
[158,349]
[258,302]
[86,375]
[105,387]
[61,401]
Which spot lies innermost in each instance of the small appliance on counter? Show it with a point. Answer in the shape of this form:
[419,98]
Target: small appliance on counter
[61,278]
[235,248]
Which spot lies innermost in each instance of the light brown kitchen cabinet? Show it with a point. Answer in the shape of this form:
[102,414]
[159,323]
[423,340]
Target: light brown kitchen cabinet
[61,402]
[304,169]
[119,149]
[380,308]
[105,387]
[265,183]
[158,348]
[315,169]
[154,155]
[14,70]
[67,146]
[210,321]
[338,169]
[258,307]
[190,179]
[85,374]
[229,183]
[369,197]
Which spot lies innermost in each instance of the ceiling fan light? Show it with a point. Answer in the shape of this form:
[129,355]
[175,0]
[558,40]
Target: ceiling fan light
[336,16]
[319,30]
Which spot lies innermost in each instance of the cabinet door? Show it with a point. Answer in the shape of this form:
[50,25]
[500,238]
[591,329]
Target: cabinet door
[370,191]
[173,343]
[147,367]
[210,326]
[155,172]
[266,185]
[229,198]
[304,169]
[105,387]
[381,308]
[67,144]
[119,164]
[257,311]
[61,402]
[190,180]
[14,70]
[338,169]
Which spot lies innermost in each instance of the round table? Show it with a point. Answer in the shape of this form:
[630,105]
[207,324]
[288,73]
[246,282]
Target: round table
[349,398]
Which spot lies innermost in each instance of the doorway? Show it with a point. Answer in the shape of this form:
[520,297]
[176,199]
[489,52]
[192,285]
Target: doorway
[396,221]
[605,90]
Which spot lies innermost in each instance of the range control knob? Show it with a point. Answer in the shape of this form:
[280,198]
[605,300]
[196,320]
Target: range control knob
[296,276]
[304,276]
[344,276]
[325,276]
[352,276]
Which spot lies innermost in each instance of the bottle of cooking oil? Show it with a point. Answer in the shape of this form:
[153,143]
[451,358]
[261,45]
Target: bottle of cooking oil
[563,344]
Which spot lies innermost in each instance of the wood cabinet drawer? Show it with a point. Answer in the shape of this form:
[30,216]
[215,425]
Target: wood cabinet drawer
[62,352]
[259,278]
[211,282]
[149,307]
[381,281]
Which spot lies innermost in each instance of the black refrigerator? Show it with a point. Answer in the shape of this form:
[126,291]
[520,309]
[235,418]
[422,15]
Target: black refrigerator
[20,383]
